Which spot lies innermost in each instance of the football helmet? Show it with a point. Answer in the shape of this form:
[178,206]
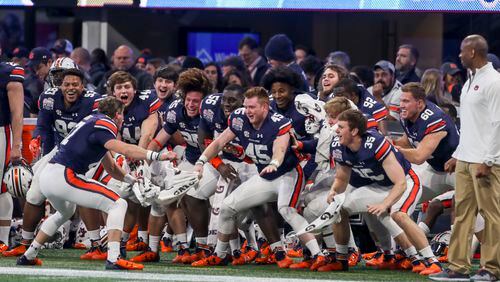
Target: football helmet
[56,69]
[440,242]
[18,178]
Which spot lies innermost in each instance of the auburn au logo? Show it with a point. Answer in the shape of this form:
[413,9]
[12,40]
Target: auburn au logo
[489,3]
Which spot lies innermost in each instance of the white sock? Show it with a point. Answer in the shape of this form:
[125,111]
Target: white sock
[313,246]
[427,252]
[201,240]
[424,228]
[221,248]
[143,235]
[168,235]
[94,235]
[113,251]
[352,243]
[235,244]
[153,243]
[411,251]
[125,236]
[342,249]
[28,236]
[33,250]
[182,240]
[329,241]
[4,234]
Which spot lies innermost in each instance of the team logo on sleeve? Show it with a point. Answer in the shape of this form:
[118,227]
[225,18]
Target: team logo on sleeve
[48,104]
[237,123]
[171,116]
[208,115]
[337,155]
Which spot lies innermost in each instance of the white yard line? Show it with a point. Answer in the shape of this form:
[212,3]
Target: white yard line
[138,275]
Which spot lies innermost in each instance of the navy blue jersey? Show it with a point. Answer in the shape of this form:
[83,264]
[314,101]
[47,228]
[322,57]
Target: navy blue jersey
[8,73]
[165,104]
[298,119]
[143,105]
[366,163]
[213,119]
[432,120]
[55,121]
[177,119]
[84,148]
[371,108]
[258,143]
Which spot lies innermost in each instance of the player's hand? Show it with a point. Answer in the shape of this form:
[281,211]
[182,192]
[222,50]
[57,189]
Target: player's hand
[309,185]
[483,171]
[378,90]
[227,172]
[34,147]
[268,169]
[450,165]
[15,155]
[168,156]
[198,168]
[377,209]
[330,196]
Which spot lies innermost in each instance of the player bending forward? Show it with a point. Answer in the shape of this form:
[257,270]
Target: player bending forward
[64,184]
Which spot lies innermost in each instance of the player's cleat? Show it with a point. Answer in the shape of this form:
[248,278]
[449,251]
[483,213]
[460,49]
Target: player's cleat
[369,256]
[389,262]
[201,252]
[3,247]
[433,268]
[444,257]
[181,254]
[166,245]
[282,260]
[122,264]
[94,253]
[250,253]
[146,256]
[418,266]
[79,246]
[295,252]
[138,245]
[375,260]
[266,258]
[307,263]
[354,257]
[23,260]
[212,260]
[336,265]
[16,251]
[404,263]
[123,249]
[319,262]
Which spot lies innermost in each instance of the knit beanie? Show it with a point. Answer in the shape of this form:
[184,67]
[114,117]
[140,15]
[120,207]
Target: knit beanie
[280,48]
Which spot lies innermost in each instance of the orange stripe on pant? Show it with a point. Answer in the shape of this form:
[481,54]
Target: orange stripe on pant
[79,183]
[297,188]
[413,193]
[3,189]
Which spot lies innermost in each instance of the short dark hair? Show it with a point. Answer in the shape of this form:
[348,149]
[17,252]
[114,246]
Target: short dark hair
[355,119]
[120,77]
[248,41]
[74,72]
[282,74]
[235,88]
[346,85]
[167,72]
[413,51]
[110,106]
[416,90]
[258,92]
[311,64]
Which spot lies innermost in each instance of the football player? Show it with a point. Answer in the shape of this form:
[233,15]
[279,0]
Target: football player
[378,180]
[265,137]
[64,183]
[60,110]
[184,116]
[140,123]
[11,126]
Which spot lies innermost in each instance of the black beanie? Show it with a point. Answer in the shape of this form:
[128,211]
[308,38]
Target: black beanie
[280,48]
[192,62]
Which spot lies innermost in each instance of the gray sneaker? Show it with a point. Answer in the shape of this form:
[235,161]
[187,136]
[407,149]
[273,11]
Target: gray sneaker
[483,275]
[449,275]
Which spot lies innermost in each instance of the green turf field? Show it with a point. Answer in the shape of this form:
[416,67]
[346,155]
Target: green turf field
[65,265]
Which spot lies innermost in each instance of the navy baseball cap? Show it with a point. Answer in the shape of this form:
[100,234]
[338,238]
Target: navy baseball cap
[449,68]
[39,55]
[62,46]
[385,65]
